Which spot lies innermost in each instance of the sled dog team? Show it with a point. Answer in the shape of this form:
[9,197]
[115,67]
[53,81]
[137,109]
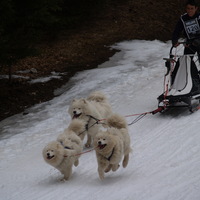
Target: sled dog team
[111,144]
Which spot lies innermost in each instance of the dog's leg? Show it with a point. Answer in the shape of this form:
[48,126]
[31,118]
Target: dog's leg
[125,161]
[89,140]
[101,173]
[76,163]
[115,167]
[108,168]
[68,173]
[82,136]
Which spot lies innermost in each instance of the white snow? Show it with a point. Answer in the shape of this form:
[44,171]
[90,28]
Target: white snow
[164,164]
[13,76]
[54,75]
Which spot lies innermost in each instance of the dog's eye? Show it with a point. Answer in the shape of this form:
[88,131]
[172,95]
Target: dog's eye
[52,150]
[104,139]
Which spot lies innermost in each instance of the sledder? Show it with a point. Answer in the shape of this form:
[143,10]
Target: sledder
[181,82]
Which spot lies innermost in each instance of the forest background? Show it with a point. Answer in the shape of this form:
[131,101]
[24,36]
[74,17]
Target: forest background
[41,37]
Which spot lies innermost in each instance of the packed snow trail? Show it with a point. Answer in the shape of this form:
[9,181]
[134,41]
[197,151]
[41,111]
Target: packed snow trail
[164,164]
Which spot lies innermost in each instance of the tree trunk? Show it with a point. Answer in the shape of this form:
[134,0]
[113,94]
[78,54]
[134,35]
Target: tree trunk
[10,74]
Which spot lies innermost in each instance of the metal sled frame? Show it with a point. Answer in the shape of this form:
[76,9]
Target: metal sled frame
[166,101]
[191,102]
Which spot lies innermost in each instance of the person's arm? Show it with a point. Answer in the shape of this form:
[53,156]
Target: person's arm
[177,31]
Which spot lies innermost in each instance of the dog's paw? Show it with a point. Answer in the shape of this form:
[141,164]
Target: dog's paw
[87,145]
[115,167]
[63,180]
[125,161]
[101,174]
[76,163]
[66,178]
[101,177]
[108,169]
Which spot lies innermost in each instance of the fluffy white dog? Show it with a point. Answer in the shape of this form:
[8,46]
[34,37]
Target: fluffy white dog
[65,152]
[62,156]
[76,127]
[112,145]
[90,110]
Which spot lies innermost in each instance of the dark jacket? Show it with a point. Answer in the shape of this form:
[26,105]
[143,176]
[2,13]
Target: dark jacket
[189,26]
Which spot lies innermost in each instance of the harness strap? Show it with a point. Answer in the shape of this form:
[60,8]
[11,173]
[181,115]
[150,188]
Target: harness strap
[111,154]
[90,116]
[67,147]
[87,125]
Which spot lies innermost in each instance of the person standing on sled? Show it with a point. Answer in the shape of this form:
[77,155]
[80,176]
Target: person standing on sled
[189,25]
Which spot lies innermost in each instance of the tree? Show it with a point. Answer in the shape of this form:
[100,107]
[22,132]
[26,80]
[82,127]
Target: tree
[22,23]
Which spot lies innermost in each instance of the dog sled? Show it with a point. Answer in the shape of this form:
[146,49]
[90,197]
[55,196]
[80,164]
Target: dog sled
[181,82]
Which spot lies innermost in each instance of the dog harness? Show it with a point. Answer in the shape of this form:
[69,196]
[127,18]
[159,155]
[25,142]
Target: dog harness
[111,154]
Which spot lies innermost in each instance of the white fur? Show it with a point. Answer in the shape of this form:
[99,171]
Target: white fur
[62,158]
[76,127]
[97,106]
[112,145]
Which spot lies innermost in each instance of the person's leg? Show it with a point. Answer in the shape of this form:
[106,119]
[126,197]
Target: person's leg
[190,50]
[198,52]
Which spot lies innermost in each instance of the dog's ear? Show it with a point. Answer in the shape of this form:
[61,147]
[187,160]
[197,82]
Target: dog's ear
[58,145]
[84,101]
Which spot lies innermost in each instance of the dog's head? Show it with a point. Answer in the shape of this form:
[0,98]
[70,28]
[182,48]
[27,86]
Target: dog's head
[50,154]
[103,140]
[77,108]
[53,153]
[101,144]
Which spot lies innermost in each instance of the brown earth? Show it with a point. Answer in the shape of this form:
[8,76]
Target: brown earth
[86,47]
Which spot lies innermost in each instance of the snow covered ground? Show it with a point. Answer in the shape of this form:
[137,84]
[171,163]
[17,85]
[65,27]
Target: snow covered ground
[164,164]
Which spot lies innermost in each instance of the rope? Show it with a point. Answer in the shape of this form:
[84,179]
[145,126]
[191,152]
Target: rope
[138,118]
[88,127]
[81,153]
[159,109]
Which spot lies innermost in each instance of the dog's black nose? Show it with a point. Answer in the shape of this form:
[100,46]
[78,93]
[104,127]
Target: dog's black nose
[99,142]
[74,112]
[48,154]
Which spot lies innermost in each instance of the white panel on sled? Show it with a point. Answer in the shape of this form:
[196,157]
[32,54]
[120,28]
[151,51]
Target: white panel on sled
[183,81]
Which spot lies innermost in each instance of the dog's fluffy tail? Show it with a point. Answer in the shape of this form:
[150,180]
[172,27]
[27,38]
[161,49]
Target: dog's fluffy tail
[77,126]
[117,121]
[97,96]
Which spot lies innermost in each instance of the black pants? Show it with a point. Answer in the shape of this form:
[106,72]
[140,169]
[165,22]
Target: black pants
[191,49]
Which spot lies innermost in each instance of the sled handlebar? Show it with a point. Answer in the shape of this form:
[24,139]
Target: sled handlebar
[170,53]
[171,59]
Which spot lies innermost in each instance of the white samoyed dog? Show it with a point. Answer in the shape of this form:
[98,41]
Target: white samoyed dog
[112,145]
[62,156]
[90,111]
[65,152]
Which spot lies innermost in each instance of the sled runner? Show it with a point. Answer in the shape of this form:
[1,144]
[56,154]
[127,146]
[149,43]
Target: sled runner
[181,82]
